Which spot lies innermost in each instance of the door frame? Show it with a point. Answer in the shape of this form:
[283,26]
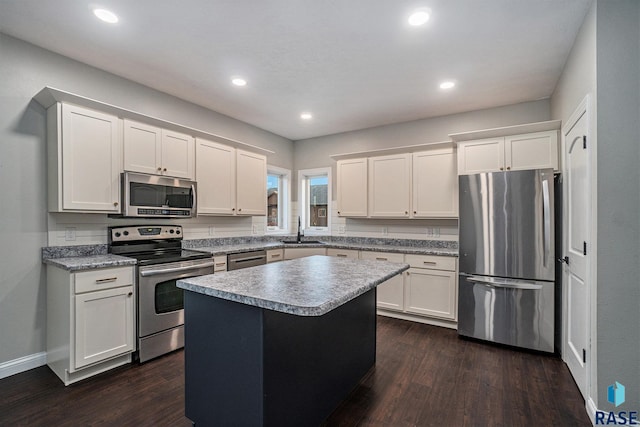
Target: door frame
[584,108]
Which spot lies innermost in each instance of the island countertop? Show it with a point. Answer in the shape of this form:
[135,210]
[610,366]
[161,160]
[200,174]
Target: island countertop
[310,286]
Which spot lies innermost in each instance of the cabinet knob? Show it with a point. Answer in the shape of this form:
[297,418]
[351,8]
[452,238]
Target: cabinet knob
[508,168]
[407,273]
[415,212]
[164,170]
[115,204]
[130,294]
[239,209]
[159,169]
[406,212]
[501,169]
[338,212]
[233,209]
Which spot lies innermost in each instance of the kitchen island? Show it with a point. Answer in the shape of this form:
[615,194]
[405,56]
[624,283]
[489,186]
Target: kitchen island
[279,344]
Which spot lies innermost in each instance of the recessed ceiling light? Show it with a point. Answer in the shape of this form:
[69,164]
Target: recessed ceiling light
[239,82]
[305,116]
[106,15]
[419,17]
[447,85]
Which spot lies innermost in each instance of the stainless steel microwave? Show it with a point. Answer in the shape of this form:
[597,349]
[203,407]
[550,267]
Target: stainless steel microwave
[155,196]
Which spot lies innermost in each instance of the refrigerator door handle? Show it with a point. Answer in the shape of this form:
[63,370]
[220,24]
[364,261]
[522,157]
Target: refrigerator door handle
[505,283]
[546,213]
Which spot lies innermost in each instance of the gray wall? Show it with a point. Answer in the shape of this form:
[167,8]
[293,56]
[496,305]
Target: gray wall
[24,71]
[315,152]
[618,70]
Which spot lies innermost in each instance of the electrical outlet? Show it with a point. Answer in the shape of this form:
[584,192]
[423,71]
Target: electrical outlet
[385,231]
[429,232]
[342,229]
[70,234]
[254,229]
[436,232]
[212,231]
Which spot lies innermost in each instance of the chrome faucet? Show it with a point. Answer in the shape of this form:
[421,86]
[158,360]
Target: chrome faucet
[299,238]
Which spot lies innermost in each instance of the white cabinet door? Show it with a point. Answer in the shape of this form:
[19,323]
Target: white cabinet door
[435,184]
[532,151]
[390,186]
[431,293]
[142,148]
[216,177]
[390,294]
[104,325]
[352,187]
[91,145]
[486,155]
[251,183]
[178,152]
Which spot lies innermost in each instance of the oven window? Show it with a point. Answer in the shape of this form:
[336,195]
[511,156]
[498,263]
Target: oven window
[153,195]
[168,297]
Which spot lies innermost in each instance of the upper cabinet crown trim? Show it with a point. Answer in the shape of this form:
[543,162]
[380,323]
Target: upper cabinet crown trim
[48,96]
[407,149]
[506,131]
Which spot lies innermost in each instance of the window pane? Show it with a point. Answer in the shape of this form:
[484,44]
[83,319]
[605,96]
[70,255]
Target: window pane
[318,190]
[274,214]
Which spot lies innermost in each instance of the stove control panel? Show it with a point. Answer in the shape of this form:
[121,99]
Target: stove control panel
[144,232]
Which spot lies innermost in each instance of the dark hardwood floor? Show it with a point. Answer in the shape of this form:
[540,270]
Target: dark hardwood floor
[424,376]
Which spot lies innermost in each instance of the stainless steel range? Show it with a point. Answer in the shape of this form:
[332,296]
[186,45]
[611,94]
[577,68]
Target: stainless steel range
[161,262]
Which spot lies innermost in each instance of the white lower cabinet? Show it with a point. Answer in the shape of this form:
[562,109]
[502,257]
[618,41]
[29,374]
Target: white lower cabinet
[90,321]
[391,292]
[293,253]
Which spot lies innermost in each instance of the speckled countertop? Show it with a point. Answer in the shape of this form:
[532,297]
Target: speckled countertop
[310,286]
[90,262]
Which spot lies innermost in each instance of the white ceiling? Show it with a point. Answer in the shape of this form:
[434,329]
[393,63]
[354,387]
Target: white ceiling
[352,63]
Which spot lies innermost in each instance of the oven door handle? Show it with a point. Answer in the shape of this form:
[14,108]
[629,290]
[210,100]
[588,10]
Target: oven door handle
[156,272]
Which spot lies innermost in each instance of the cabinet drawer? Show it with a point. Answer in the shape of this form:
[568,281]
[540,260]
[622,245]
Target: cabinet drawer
[431,261]
[343,253]
[219,263]
[107,278]
[382,256]
[274,255]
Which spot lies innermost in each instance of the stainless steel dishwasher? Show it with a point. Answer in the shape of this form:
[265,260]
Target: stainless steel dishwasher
[246,259]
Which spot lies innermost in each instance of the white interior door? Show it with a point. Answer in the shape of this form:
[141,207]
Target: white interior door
[577,250]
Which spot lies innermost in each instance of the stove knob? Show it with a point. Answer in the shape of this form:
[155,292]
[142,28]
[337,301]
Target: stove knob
[126,233]
[117,234]
[177,231]
[172,231]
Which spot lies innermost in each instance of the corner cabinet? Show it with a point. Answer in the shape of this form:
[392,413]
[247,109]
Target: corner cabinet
[84,160]
[537,150]
[352,187]
[90,321]
[230,181]
[152,150]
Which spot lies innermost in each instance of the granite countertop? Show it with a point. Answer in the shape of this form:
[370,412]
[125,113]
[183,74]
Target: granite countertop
[90,262]
[310,286]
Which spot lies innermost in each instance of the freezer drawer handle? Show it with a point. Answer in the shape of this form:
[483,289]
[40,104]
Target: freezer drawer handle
[506,284]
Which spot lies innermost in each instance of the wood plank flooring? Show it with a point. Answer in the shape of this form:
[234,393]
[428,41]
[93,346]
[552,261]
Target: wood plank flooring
[424,376]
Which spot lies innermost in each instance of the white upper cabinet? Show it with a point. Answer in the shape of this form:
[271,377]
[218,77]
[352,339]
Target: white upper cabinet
[352,187]
[390,186]
[435,184]
[216,177]
[84,158]
[230,181]
[152,150]
[536,150]
[251,183]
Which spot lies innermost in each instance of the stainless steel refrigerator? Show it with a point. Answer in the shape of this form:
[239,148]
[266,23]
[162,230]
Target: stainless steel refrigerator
[507,262]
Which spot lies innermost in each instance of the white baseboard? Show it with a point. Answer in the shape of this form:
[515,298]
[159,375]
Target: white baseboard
[591,410]
[22,364]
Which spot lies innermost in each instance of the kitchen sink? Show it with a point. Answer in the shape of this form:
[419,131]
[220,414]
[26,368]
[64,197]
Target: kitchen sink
[303,242]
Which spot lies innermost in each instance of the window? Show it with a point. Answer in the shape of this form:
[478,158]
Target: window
[315,200]
[278,181]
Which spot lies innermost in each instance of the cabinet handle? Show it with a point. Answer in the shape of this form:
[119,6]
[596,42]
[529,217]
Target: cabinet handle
[129,294]
[430,262]
[107,280]
[381,259]
[220,264]
[341,255]
[275,255]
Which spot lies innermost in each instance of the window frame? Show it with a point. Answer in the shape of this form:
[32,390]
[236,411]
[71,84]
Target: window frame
[303,205]
[284,199]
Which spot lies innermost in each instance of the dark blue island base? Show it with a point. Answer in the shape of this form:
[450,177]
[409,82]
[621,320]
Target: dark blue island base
[250,366]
